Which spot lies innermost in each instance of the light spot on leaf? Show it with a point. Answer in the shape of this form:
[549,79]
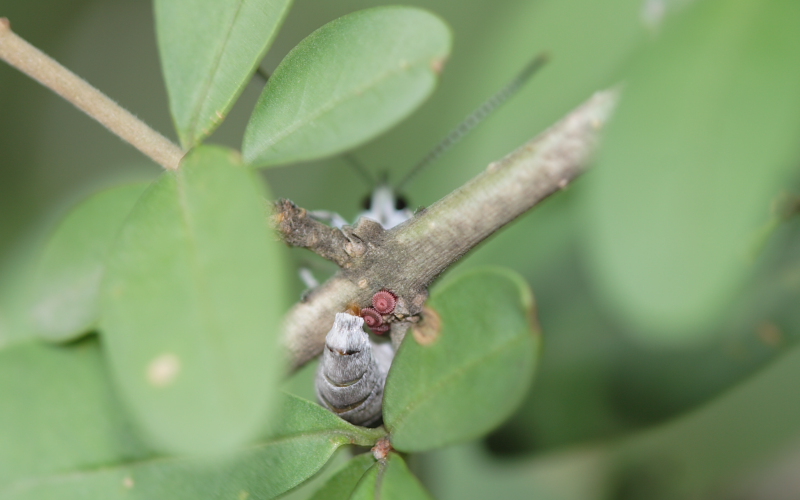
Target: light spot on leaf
[127,482]
[437,65]
[163,370]
[428,330]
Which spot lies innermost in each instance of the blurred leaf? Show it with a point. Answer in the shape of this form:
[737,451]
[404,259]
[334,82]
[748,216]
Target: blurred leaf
[467,471]
[59,413]
[345,83]
[570,401]
[694,455]
[301,383]
[705,134]
[594,381]
[469,373]
[69,274]
[209,50]
[389,479]
[343,483]
[306,438]
[690,457]
[193,298]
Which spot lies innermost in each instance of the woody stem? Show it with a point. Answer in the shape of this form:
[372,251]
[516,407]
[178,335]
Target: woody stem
[408,258]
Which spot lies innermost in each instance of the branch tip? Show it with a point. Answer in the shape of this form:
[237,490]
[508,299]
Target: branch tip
[409,257]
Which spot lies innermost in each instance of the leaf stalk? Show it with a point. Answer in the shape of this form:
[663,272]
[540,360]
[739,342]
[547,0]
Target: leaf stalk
[44,69]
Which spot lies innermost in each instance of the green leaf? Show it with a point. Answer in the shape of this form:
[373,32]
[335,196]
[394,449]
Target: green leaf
[470,471]
[67,286]
[293,452]
[595,382]
[704,137]
[303,415]
[345,83]
[192,303]
[720,442]
[458,381]
[59,413]
[389,479]
[343,483]
[209,50]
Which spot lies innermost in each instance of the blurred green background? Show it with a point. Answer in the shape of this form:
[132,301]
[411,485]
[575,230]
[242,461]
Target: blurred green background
[667,279]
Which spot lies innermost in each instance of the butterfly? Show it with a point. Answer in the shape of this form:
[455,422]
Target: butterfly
[353,368]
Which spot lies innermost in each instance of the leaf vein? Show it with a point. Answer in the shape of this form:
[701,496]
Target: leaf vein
[195,119]
[323,110]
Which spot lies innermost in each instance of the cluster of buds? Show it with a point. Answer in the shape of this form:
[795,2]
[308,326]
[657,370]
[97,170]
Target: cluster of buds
[383,302]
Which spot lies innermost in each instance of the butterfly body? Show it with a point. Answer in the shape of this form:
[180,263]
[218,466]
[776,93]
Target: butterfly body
[386,207]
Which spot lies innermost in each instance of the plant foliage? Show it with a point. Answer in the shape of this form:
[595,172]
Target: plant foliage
[147,361]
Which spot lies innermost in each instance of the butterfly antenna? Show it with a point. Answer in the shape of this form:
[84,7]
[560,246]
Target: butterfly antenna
[359,167]
[477,116]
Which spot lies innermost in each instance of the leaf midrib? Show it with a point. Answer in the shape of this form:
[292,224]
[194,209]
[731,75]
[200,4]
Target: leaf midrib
[210,324]
[206,86]
[323,110]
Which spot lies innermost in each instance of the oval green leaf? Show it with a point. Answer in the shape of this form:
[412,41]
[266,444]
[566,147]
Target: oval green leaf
[209,50]
[286,457]
[343,483]
[345,83]
[704,137]
[59,414]
[459,380]
[67,284]
[390,479]
[192,303]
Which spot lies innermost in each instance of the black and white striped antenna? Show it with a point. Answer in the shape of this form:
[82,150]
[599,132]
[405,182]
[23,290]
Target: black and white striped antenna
[476,117]
[455,135]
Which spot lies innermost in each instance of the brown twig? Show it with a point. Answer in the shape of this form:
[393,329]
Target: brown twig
[405,259]
[34,63]
[409,257]
[298,229]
